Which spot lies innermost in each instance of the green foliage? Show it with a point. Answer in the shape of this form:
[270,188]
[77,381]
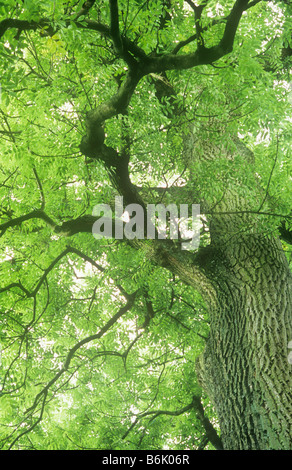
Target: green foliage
[132,373]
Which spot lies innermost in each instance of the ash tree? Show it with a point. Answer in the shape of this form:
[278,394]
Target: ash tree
[137,343]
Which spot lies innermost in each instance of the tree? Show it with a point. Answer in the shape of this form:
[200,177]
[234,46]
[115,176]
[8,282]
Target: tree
[137,343]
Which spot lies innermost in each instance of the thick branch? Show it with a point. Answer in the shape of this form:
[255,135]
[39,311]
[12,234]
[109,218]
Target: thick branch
[114,27]
[91,144]
[198,13]
[82,224]
[119,45]
[86,24]
[22,25]
[232,23]
[36,214]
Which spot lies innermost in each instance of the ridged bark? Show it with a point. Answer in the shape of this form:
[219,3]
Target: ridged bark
[245,369]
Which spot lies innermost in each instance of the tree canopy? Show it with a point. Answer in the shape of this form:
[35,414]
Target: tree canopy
[160,101]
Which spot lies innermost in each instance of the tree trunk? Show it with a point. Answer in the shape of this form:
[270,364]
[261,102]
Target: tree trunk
[245,369]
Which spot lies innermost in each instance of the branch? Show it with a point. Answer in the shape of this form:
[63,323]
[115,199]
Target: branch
[103,29]
[33,425]
[263,213]
[202,55]
[157,413]
[36,214]
[86,24]
[92,144]
[69,249]
[102,331]
[120,101]
[255,2]
[270,177]
[184,43]
[34,292]
[48,270]
[15,284]
[232,23]
[41,189]
[78,345]
[22,25]
[285,234]
[115,28]
[211,432]
[82,224]
[100,268]
[198,13]
[85,9]
[214,22]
